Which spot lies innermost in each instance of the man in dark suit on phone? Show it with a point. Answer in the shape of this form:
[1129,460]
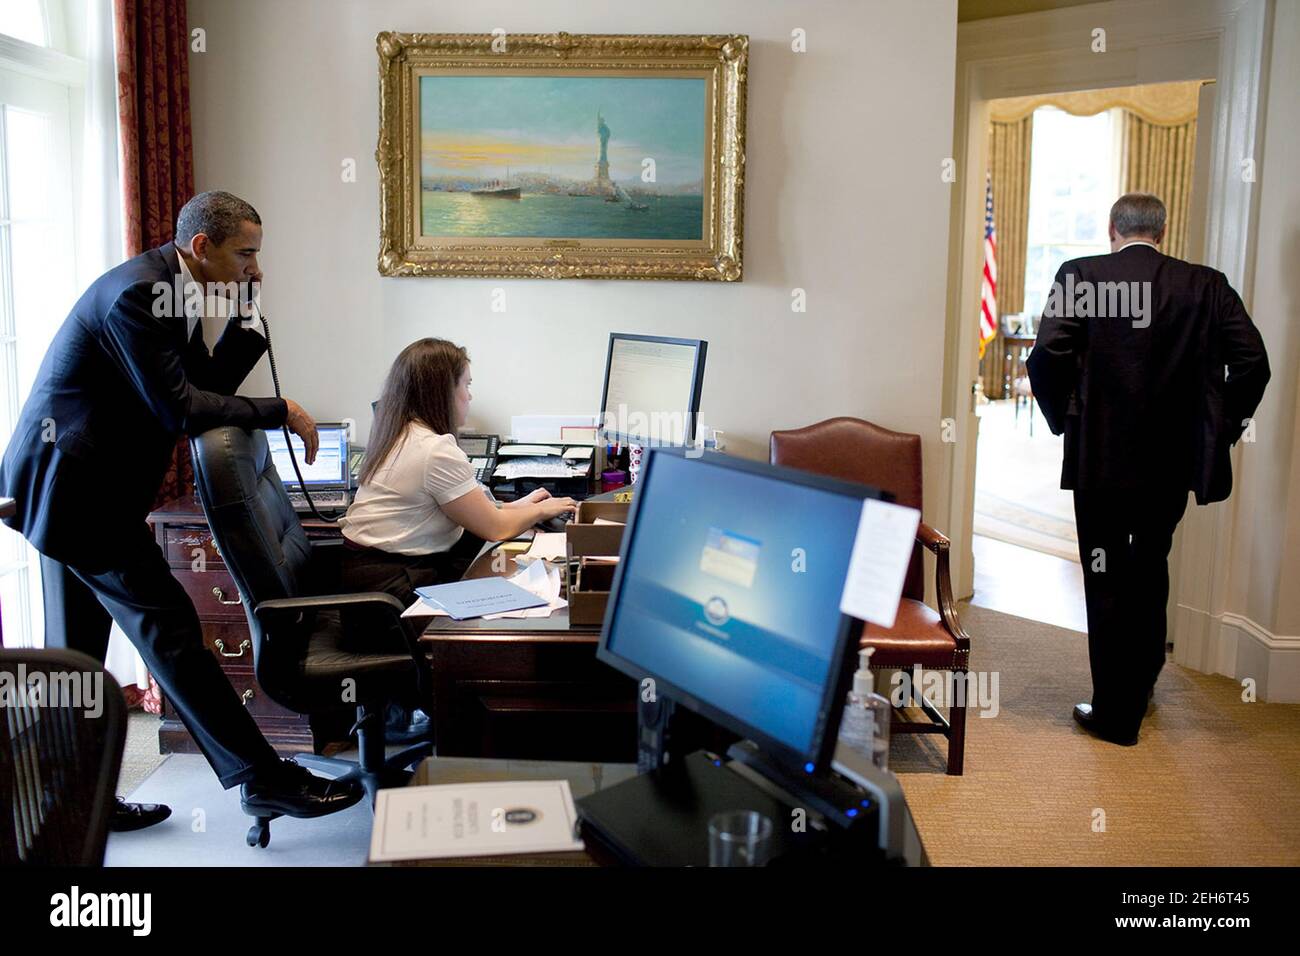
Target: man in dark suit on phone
[1152,369]
[126,375]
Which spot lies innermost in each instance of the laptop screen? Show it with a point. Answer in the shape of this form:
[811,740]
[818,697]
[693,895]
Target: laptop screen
[329,470]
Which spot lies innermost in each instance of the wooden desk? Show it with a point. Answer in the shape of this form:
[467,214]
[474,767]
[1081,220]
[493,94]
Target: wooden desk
[584,779]
[526,688]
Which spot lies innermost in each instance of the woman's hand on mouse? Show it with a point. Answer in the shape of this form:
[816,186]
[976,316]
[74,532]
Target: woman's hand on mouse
[554,507]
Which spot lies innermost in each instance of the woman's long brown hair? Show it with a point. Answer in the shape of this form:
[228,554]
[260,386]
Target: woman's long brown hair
[420,387]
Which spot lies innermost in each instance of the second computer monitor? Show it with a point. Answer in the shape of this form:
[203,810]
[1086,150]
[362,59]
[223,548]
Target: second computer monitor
[652,390]
[727,597]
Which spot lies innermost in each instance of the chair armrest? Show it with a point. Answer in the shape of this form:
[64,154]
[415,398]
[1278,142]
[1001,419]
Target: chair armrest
[279,611]
[938,543]
[384,610]
[931,539]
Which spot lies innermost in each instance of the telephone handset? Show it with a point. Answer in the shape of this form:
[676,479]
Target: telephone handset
[482,453]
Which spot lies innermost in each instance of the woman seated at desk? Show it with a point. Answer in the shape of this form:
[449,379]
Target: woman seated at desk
[419,516]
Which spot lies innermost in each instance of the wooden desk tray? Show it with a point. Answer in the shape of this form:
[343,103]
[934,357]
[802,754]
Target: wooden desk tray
[589,578]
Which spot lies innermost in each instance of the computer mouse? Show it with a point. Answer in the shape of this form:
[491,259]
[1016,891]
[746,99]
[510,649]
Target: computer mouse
[556,524]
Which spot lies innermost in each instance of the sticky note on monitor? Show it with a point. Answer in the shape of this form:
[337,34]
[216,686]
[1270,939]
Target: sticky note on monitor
[882,550]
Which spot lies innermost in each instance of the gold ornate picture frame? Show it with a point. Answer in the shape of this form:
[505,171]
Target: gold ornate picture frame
[561,156]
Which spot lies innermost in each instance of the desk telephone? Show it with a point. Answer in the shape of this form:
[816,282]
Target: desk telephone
[482,453]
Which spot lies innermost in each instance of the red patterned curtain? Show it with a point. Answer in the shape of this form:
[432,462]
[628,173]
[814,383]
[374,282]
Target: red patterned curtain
[153,90]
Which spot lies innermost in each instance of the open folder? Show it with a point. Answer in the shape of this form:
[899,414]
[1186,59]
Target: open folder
[478,596]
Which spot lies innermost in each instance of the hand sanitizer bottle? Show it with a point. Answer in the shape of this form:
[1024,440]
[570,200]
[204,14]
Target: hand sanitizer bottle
[865,726]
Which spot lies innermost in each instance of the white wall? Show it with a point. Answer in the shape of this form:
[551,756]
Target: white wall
[1266,547]
[843,198]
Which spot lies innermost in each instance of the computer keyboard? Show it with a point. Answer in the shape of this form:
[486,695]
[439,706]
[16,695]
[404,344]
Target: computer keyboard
[323,500]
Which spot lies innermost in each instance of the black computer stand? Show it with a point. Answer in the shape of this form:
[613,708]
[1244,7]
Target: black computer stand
[660,817]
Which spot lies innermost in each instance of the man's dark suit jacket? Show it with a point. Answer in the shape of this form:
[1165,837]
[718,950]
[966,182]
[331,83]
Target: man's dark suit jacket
[120,383]
[1150,408]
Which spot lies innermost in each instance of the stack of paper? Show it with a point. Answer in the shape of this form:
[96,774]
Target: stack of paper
[541,579]
[540,466]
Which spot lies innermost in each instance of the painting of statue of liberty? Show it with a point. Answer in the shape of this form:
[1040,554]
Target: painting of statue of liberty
[562,157]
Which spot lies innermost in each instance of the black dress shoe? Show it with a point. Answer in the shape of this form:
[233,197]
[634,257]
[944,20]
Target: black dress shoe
[293,791]
[1086,719]
[136,816]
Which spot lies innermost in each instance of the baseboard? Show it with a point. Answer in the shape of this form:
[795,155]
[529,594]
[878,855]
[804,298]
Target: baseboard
[1237,647]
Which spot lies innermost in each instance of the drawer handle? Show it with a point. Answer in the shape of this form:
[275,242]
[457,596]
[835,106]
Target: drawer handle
[246,696]
[243,646]
[220,595]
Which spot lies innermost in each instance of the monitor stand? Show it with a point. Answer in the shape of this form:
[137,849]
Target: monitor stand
[661,818]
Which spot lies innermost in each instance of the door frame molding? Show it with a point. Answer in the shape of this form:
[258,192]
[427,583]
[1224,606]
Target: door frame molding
[1150,41]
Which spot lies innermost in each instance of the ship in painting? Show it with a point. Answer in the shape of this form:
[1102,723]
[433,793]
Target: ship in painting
[497,189]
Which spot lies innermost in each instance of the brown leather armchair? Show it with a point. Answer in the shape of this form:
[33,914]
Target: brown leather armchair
[857,450]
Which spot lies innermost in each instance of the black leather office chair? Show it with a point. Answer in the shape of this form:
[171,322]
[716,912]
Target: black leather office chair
[60,754]
[312,652]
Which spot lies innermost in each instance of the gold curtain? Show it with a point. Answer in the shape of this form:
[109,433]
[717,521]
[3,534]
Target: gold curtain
[1010,149]
[1158,159]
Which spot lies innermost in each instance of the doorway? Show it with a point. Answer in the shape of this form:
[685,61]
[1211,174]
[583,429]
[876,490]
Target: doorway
[1158,42]
[1056,163]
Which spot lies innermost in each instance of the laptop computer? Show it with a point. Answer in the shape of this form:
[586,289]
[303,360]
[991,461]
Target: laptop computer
[327,478]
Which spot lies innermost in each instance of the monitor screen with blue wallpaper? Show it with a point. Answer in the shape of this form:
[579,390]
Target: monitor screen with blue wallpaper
[730,588]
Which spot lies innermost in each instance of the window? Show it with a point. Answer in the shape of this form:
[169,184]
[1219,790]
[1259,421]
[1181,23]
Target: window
[38,91]
[1073,180]
[24,20]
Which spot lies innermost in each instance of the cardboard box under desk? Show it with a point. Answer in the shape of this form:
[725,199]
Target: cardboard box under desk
[589,582]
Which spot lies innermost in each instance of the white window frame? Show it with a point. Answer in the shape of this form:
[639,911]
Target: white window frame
[40,70]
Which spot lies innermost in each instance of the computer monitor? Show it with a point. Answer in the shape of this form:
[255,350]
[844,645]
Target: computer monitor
[727,596]
[328,471]
[651,395]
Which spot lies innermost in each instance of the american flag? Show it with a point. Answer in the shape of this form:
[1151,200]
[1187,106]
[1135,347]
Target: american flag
[989,290]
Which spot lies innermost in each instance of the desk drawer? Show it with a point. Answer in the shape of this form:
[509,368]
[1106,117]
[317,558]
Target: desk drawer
[213,592]
[255,699]
[180,543]
[229,641]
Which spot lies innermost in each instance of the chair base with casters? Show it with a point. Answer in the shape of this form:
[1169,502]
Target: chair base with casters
[374,769]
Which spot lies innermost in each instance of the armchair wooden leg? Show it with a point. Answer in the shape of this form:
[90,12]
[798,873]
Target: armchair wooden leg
[957,735]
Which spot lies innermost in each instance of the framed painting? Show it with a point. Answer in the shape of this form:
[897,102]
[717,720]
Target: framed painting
[561,156]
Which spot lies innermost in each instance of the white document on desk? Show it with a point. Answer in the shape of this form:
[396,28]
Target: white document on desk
[473,819]
[542,579]
[530,451]
[536,577]
[546,546]
[882,550]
